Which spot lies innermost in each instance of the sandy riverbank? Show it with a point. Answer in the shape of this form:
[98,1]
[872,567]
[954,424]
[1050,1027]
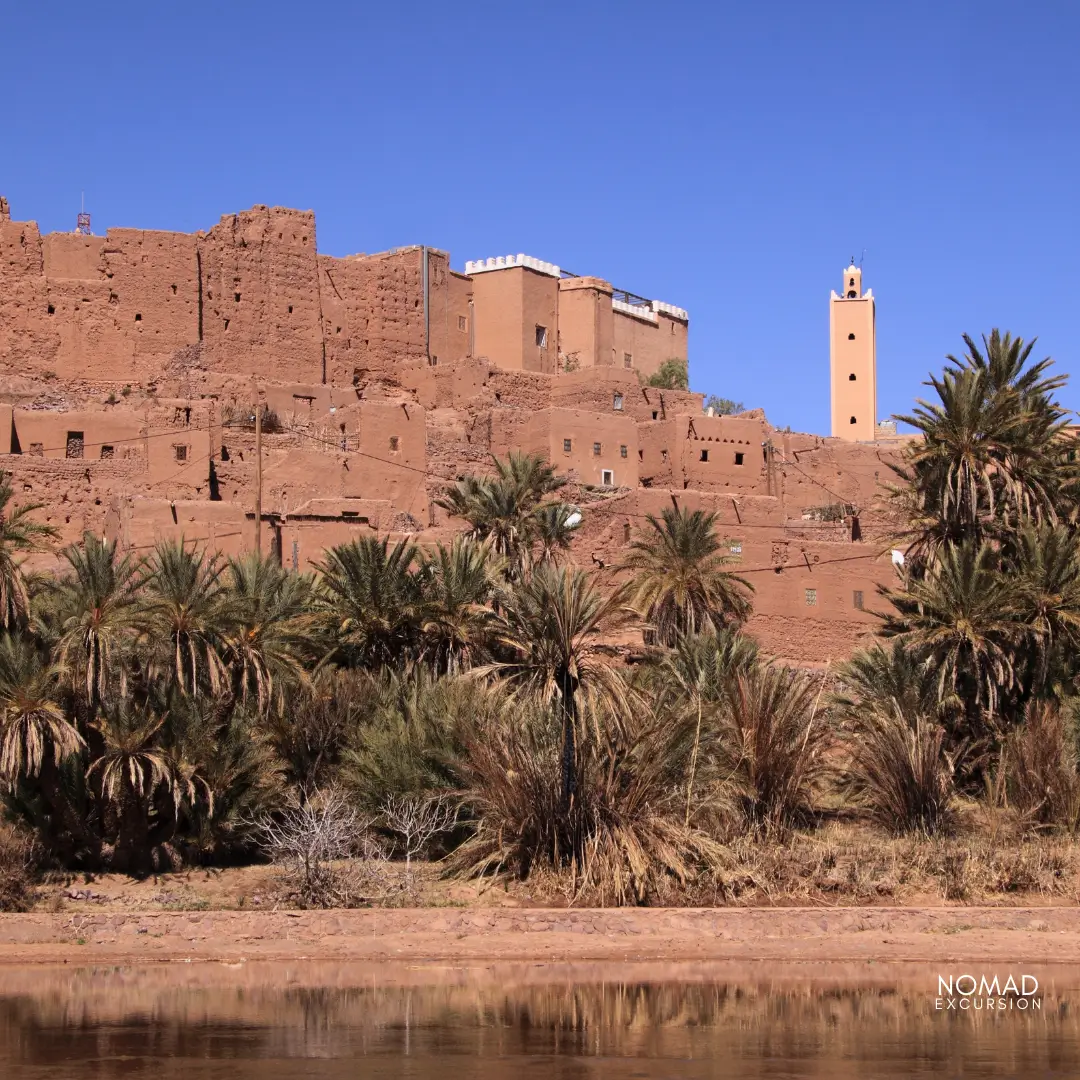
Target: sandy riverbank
[918,935]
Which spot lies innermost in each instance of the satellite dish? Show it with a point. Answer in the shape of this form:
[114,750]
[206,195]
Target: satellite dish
[897,557]
[573,519]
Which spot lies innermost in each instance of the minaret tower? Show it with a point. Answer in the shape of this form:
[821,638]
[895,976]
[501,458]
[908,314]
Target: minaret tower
[853,360]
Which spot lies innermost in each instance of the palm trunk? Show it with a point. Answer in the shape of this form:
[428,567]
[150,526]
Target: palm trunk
[569,751]
[693,764]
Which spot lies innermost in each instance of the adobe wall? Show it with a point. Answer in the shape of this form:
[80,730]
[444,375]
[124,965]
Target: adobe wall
[130,365]
[648,338]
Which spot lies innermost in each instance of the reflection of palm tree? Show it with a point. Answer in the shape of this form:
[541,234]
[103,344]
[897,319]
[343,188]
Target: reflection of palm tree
[19,535]
[680,584]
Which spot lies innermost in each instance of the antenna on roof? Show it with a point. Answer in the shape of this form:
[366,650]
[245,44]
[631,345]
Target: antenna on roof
[862,257]
[82,222]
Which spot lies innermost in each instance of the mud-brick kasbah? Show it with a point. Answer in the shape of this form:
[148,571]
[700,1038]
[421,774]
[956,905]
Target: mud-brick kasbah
[129,364]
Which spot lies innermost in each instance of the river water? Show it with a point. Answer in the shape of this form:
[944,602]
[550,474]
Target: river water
[525,1022]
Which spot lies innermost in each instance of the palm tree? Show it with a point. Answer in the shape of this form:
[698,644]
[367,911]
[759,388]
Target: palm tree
[963,615]
[373,603]
[1047,567]
[509,509]
[134,777]
[775,743]
[186,616]
[680,585]
[459,583]
[33,726]
[993,453]
[98,614]
[551,628]
[699,670]
[272,630]
[19,535]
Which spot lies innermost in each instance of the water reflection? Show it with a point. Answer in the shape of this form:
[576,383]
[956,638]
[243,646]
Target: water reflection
[262,1022]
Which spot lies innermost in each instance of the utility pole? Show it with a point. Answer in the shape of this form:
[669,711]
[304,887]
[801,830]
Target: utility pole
[258,476]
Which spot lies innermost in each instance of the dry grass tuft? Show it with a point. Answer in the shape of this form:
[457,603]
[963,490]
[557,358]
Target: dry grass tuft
[17,870]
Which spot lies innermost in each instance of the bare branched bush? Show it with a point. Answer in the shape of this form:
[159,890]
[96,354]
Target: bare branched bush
[327,852]
[1041,778]
[415,821]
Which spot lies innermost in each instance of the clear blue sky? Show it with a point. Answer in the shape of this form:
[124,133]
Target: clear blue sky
[726,157]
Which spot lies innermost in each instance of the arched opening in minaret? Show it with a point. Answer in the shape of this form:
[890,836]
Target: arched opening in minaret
[852,295]
[851,377]
[851,337]
[853,420]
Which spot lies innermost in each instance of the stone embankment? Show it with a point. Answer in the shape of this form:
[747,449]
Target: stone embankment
[1007,935]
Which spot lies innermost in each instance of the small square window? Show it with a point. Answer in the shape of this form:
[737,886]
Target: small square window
[541,337]
[738,458]
[567,445]
[607,477]
[180,452]
[655,414]
[735,548]
[74,444]
[462,322]
[811,597]
[623,451]
[704,455]
[107,452]
[857,599]
[395,444]
[627,359]
[596,449]
[617,403]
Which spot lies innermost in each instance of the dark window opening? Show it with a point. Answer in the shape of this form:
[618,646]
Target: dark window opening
[626,532]
[655,414]
[851,281]
[180,452]
[173,287]
[567,445]
[853,421]
[52,309]
[226,324]
[641,455]
[236,297]
[627,359]
[107,452]
[851,377]
[138,317]
[857,599]
[623,451]
[290,309]
[395,443]
[541,337]
[462,322]
[704,455]
[851,337]
[596,449]
[852,295]
[738,457]
[607,477]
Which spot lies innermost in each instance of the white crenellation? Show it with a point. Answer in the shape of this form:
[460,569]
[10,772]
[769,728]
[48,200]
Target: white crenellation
[505,262]
[646,314]
[672,310]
